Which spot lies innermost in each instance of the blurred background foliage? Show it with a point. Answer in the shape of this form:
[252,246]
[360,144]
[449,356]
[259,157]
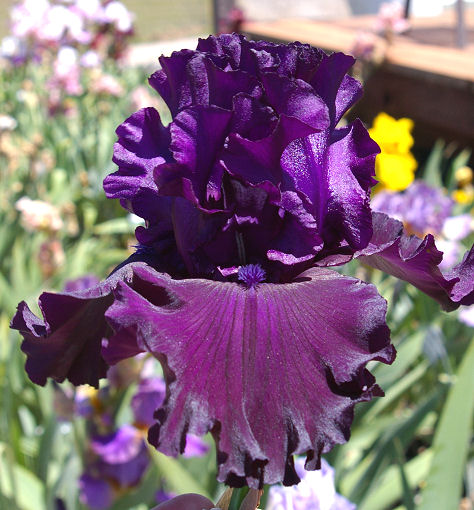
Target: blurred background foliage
[408,450]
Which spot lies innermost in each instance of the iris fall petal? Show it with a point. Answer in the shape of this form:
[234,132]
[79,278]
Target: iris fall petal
[276,366]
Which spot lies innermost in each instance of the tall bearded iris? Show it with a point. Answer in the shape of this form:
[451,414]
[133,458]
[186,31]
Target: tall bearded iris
[249,196]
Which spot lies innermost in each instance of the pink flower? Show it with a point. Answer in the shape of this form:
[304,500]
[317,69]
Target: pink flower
[141,98]
[107,84]
[363,45]
[90,59]
[391,18]
[38,215]
[117,14]
[67,72]
[28,17]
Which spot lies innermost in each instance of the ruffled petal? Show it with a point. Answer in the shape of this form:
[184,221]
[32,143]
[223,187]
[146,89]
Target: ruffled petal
[197,135]
[171,81]
[351,158]
[251,119]
[258,162]
[296,98]
[329,82]
[192,78]
[143,143]
[463,290]
[335,176]
[66,343]
[416,261]
[242,362]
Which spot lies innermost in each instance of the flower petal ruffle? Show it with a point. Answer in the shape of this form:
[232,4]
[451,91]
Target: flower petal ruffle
[66,343]
[272,371]
[143,143]
[416,261]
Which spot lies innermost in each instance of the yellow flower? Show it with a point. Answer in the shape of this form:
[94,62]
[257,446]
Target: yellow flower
[395,165]
[463,176]
[464,196]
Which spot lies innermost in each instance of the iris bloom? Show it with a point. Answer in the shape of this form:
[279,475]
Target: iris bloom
[249,196]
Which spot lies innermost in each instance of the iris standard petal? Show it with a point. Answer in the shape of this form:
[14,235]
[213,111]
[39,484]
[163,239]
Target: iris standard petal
[197,139]
[143,143]
[272,370]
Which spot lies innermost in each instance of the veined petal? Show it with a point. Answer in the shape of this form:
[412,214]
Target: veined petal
[272,370]
[416,261]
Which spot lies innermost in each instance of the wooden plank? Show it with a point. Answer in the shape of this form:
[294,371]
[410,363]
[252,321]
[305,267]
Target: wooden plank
[405,51]
[432,84]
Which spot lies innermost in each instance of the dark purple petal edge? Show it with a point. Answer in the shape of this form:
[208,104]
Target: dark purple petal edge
[416,261]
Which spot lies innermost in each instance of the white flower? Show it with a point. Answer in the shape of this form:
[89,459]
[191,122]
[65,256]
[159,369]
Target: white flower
[39,215]
[7,123]
[316,491]
[117,13]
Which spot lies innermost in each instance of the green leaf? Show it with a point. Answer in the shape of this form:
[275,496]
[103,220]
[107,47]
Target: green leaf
[432,169]
[115,226]
[26,488]
[366,473]
[450,445]
[178,478]
[390,488]
[396,391]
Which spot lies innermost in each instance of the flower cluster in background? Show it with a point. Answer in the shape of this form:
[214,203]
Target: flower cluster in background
[97,28]
[446,212]
[69,38]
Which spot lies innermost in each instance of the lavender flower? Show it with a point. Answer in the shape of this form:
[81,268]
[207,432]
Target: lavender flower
[315,492]
[252,171]
[118,468]
[422,209]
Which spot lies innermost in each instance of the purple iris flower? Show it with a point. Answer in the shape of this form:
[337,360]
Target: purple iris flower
[121,456]
[118,462]
[249,195]
[95,492]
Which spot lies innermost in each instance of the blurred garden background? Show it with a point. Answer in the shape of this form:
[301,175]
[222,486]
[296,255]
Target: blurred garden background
[64,91]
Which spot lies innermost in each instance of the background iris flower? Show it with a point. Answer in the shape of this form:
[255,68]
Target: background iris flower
[249,195]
